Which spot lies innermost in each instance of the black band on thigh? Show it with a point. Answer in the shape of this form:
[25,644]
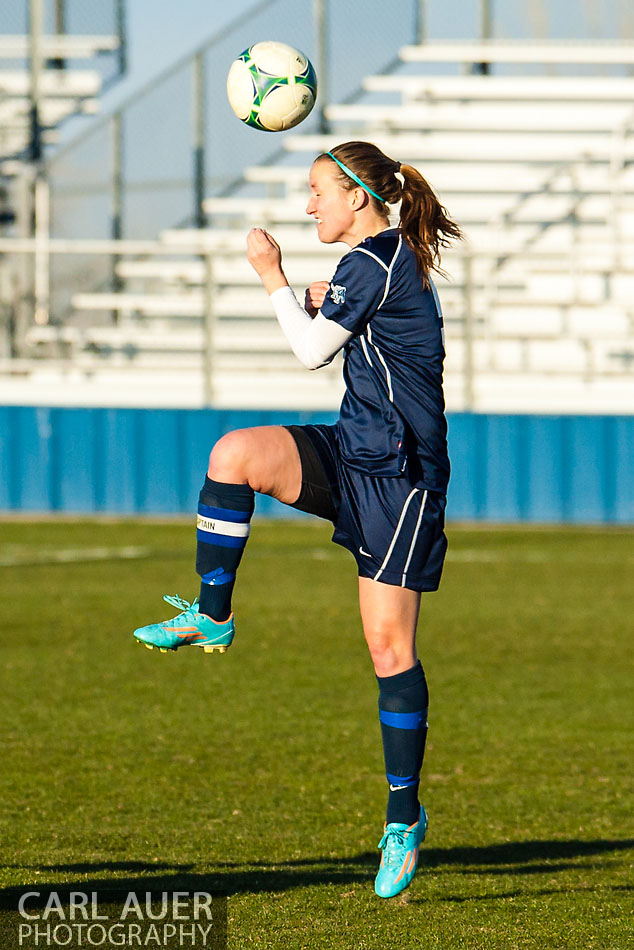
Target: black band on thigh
[316,496]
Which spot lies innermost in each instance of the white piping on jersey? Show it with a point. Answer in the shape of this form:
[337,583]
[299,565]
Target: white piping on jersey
[411,547]
[438,311]
[363,250]
[365,350]
[389,272]
[396,533]
[388,377]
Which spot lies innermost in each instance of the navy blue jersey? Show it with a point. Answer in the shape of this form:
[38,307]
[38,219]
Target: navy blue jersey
[392,416]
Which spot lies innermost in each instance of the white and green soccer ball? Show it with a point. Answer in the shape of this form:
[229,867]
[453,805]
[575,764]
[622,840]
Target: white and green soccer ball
[271,86]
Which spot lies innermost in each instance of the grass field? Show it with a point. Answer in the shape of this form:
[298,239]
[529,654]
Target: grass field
[259,773]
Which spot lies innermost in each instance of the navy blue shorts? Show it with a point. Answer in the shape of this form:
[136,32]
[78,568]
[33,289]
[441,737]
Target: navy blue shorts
[394,529]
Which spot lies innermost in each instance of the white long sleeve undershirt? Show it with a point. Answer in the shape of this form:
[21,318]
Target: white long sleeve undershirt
[313,341]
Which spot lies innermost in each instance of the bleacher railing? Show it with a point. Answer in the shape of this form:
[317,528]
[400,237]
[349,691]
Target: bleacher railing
[475,346]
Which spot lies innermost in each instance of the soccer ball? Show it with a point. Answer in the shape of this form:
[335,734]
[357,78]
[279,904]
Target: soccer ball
[271,86]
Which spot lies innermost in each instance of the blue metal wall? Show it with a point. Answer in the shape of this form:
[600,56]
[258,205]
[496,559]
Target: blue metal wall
[506,468]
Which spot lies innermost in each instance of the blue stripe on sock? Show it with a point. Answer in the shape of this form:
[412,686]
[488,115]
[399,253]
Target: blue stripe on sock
[224,514]
[413,720]
[222,540]
[402,780]
[218,576]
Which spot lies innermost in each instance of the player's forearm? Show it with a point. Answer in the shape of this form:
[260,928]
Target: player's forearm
[273,279]
[314,342]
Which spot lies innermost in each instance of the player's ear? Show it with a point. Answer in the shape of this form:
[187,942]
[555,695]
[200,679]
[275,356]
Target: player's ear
[359,198]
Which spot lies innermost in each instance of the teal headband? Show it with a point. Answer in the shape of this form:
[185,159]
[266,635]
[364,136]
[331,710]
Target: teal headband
[356,178]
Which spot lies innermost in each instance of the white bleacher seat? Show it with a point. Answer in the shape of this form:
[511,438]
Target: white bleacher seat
[622,286]
[183,305]
[60,82]
[514,88]
[505,356]
[251,209]
[550,393]
[613,357]
[464,207]
[482,146]
[603,255]
[598,322]
[565,287]
[230,270]
[300,271]
[595,52]
[544,118]
[12,140]
[15,112]
[123,384]
[245,302]
[205,241]
[59,47]
[562,356]
[456,176]
[527,318]
[176,271]
[274,174]
[66,334]
[229,336]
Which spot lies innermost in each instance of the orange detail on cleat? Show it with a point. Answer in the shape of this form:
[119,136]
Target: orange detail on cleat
[404,868]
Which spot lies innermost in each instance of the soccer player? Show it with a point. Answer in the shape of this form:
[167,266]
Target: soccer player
[379,474]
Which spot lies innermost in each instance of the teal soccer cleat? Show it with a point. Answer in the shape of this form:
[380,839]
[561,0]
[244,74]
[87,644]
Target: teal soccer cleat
[399,860]
[188,628]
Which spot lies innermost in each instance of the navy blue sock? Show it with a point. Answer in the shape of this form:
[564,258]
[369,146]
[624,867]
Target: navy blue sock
[222,530]
[403,703]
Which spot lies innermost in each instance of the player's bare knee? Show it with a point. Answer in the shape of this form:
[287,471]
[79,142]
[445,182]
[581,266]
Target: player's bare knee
[228,458]
[391,653]
[387,663]
[384,656]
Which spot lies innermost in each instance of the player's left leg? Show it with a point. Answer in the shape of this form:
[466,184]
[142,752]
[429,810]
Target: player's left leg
[389,615]
[262,459]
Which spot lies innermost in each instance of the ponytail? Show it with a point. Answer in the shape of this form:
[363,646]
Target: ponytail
[425,224]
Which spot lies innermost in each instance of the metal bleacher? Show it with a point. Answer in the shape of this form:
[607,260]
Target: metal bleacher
[64,92]
[537,168]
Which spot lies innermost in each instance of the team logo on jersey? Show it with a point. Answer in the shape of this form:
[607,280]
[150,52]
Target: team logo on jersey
[338,293]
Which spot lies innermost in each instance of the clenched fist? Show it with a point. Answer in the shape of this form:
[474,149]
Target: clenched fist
[315,296]
[265,256]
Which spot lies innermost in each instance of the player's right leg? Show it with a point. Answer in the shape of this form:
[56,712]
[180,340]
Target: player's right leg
[263,459]
[389,614]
